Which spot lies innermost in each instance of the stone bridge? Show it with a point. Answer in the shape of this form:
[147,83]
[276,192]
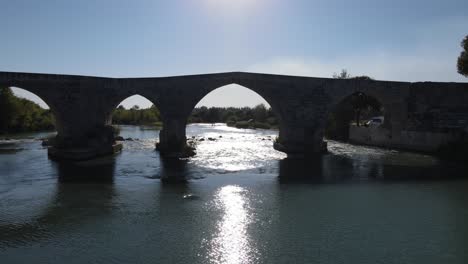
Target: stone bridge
[415,113]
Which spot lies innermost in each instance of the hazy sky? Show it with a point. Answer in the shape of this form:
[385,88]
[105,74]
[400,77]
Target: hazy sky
[416,40]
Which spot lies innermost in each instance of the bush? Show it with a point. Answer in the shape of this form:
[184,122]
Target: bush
[242,124]
[261,125]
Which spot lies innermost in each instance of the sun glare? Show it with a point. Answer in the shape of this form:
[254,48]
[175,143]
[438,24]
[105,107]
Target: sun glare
[232,5]
[232,244]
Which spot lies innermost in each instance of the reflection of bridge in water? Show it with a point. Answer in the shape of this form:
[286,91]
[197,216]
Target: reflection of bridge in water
[416,113]
[100,190]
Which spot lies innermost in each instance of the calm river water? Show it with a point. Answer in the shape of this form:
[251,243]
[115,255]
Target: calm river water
[244,203]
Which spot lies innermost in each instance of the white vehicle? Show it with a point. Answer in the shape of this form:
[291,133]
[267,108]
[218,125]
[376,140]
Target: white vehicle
[375,121]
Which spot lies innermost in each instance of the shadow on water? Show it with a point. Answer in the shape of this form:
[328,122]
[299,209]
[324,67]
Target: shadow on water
[98,171]
[339,169]
[301,170]
[178,171]
[83,192]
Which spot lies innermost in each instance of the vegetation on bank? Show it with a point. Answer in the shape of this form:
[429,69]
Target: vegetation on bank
[136,116]
[21,115]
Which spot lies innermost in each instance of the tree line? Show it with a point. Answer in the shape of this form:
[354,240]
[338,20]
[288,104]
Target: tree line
[21,115]
[242,117]
[136,116]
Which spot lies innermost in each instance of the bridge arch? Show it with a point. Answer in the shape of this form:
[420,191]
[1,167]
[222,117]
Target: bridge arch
[255,91]
[235,113]
[381,92]
[178,110]
[261,93]
[349,87]
[133,110]
[354,110]
[390,96]
[115,101]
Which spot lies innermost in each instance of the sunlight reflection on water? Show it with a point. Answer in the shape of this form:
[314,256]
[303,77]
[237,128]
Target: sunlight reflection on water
[230,244]
[230,149]
[234,149]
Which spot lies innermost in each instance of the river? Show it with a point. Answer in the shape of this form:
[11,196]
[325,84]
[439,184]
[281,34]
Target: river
[243,203]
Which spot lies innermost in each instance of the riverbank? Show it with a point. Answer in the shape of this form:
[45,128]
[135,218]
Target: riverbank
[28,135]
[149,124]
[252,125]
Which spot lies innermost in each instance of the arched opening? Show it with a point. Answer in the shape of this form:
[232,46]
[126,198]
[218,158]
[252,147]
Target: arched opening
[233,128]
[136,119]
[236,106]
[358,118]
[22,112]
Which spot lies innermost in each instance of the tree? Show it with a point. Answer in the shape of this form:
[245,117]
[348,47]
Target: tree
[462,63]
[260,113]
[362,102]
[213,115]
[7,109]
[22,115]
[342,75]
[136,116]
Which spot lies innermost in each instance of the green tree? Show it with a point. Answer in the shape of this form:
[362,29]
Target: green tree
[7,109]
[462,63]
[22,115]
[136,116]
[260,113]
[213,115]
